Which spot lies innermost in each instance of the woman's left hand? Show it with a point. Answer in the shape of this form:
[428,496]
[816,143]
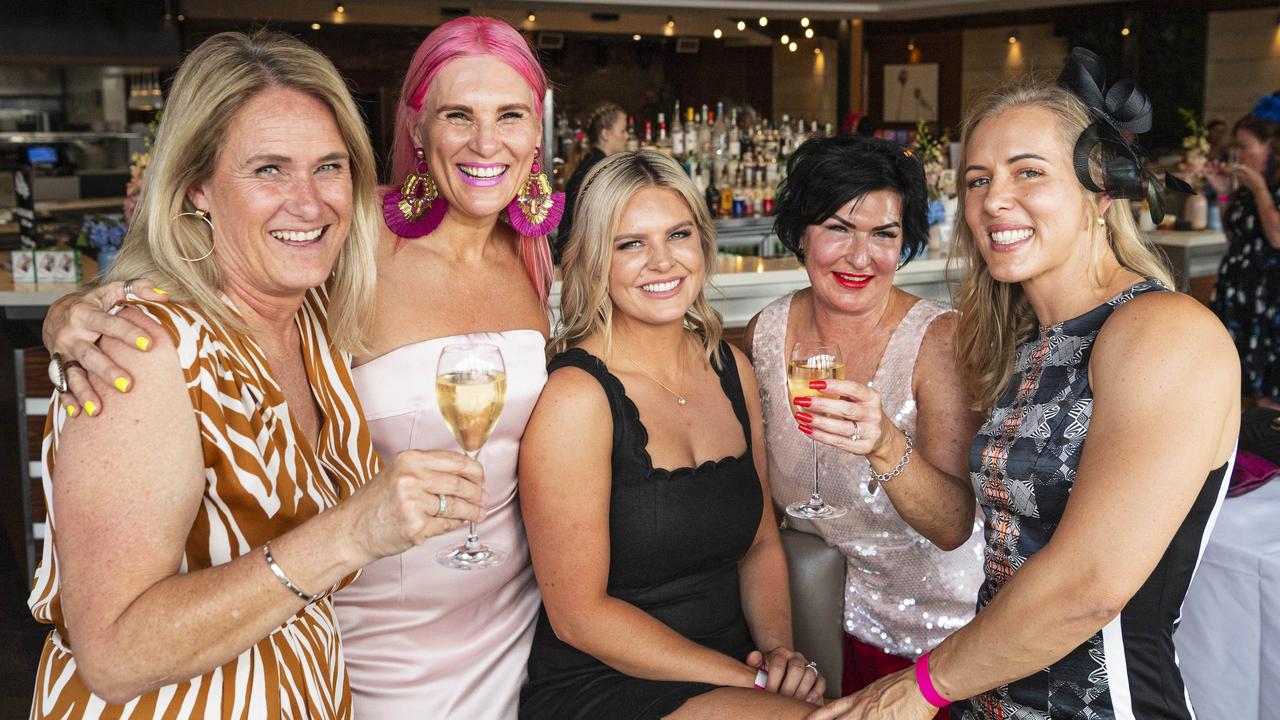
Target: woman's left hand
[853,421]
[790,674]
[893,697]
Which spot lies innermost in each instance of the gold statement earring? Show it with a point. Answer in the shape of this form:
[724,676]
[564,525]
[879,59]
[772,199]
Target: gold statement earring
[205,217]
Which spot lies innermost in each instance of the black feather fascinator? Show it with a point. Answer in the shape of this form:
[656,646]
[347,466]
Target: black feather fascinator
[1115,110]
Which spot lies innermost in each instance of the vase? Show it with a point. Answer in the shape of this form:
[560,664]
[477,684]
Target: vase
[106,256]
[1196,211]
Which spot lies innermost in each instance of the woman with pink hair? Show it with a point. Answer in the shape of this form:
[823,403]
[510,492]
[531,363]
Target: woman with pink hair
[463,258]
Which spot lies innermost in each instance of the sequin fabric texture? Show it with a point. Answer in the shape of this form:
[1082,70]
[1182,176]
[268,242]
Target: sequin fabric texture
[902,593]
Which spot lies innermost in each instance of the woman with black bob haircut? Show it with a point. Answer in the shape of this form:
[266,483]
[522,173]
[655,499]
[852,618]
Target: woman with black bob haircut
[824,174]
[853,210]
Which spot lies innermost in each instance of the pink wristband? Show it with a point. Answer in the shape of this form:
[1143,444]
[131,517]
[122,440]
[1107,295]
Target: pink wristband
[925,683]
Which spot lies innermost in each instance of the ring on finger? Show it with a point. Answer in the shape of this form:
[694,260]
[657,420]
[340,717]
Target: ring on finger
[443,508]
[857,433]
[811,665]
[128,287]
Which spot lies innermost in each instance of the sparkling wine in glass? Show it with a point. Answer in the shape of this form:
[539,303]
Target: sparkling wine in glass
[813,362]
[471,385]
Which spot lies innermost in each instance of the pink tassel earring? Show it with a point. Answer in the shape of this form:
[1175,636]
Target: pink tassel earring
[417,209]
[536,211]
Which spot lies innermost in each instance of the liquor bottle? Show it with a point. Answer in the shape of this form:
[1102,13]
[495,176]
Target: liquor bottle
[690,133]
[677,134]
[705,148]
[648,134]
[726,197]
[735,137]
[720,133]
[664,142]
[633,143]
[713,197]
[770,202]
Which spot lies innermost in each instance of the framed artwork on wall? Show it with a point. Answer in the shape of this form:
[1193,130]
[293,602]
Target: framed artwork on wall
[911,93]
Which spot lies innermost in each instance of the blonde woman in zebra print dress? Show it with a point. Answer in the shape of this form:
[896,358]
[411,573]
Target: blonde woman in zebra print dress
[196,538]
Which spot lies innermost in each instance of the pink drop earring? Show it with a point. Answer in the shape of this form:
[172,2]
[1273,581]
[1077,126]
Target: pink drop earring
[417,209]
[536,211]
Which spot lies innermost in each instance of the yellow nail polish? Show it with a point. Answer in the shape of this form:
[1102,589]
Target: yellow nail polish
[91,408]
[122,384]
[158,291]
[72,410]
[143,342]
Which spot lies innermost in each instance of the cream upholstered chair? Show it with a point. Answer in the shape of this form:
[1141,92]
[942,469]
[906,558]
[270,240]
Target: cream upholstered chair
[817,603]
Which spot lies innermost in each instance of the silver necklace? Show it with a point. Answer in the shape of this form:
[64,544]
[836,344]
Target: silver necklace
[680,399]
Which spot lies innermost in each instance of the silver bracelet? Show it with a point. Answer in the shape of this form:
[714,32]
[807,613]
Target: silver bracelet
[284,579]
[882,478]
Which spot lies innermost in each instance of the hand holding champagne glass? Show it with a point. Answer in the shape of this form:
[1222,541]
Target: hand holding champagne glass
[810,362]
[471,385]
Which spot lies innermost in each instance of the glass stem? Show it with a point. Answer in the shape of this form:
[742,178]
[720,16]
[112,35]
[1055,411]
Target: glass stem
[815,499]
[473,538]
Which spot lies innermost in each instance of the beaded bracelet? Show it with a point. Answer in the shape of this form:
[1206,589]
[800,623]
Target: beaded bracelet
[284,579]
[882,478]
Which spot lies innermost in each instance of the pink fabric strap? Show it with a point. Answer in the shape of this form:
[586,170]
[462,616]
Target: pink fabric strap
[925,683]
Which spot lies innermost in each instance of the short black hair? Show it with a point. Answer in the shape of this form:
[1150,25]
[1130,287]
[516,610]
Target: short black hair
[826,173]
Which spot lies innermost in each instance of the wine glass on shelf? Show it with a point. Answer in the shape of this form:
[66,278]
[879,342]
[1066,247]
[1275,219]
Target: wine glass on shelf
[810,361]
[471,386]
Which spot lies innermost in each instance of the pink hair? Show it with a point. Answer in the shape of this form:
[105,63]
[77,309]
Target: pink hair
[471,37]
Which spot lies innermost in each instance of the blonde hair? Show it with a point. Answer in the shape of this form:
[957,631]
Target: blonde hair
[213,84]
[585,306]
[996,317]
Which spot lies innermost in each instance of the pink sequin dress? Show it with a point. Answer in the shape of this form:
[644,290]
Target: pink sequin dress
[902,593]
[422,640]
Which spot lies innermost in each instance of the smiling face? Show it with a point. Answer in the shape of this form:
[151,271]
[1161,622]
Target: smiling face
[1028,213]
[279,196]
[657,267]
[479,131]
[852,257]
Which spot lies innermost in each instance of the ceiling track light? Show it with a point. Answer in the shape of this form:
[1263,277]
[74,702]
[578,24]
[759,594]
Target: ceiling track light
[338,7]
[911,45]
[764,21]
[1013,37]
[804,22]
[717,33]
[671,22]
[742,25]
[315,26]
[792,47]
[786,39]
[533,17]
[808,32]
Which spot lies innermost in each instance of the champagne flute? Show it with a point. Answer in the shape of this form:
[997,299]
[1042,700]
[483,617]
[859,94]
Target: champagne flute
[471,385]
[808,362]
[1233,164]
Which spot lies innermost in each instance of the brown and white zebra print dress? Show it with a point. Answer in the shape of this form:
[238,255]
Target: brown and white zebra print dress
[261,479]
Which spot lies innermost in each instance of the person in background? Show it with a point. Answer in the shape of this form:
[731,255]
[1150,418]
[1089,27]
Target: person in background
[853,212]
[196,537]
[606,129]
[1247,294]
[1071,344]
[644,480]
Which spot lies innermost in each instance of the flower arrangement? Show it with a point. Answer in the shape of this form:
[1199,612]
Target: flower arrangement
[137,169]
[931,152]
[102,233]
[1195,149]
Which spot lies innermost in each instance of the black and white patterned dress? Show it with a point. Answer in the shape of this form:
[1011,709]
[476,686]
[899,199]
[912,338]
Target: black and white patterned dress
[1247,293]
[1023,465]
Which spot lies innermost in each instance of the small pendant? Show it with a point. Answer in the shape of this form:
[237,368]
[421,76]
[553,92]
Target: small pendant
[681,401]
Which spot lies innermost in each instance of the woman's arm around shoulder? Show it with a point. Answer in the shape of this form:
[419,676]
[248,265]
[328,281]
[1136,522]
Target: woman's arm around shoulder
[565,489]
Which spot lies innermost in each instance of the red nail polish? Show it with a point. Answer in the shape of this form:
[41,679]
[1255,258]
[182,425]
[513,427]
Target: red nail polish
[803,401]
[817,384]
[805,429]
[804,417]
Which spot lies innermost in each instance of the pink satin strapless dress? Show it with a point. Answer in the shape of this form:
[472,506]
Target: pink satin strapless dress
[422,640]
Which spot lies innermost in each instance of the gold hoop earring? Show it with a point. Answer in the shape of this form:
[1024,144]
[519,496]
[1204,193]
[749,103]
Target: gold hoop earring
[205,217]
